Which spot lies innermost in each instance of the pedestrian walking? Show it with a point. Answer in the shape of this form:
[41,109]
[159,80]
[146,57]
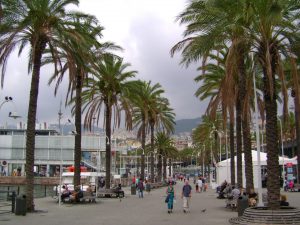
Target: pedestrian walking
[170,197]
[148,186]
[140,187]
[199,181]
[186,196]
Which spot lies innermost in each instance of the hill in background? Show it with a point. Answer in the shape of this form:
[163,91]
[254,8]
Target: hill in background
[186,125]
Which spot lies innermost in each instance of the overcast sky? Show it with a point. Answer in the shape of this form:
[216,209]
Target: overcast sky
[147,30]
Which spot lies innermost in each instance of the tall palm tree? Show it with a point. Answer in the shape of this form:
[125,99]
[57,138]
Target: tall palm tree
[214,87]
[161,117]
[165,147]
[141,101]
[208,26]
[108,87]
[151,111]
[78,57]
[272,27]
[39,24]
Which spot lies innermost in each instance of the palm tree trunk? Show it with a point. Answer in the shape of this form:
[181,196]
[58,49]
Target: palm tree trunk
[170,167]
[165,168]
[152,151]
[248,153]
[239,166]
[159,168]
[231,137]
[245,117]
[31,119]
[77,149]
[296,90]
[297,126]
[143,148]
[108,145]
[273,184]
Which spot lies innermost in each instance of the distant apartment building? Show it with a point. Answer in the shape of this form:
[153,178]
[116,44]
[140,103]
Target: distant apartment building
[183,141]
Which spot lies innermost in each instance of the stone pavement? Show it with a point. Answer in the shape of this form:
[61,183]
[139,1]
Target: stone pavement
[151,210]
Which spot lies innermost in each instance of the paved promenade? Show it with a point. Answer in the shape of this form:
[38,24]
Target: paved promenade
[151,210]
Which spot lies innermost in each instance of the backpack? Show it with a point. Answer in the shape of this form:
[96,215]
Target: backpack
[141,186]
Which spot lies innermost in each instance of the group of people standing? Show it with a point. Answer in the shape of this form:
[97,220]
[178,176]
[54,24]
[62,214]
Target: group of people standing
[201,184]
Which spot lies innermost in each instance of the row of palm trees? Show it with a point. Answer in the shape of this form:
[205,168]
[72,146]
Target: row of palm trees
[237,41]
[165,152]
[99,80]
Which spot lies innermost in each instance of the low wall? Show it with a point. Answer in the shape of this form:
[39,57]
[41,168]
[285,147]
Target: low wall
[10,180]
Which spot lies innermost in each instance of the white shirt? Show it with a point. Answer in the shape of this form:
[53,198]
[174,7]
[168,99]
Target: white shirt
[199,183]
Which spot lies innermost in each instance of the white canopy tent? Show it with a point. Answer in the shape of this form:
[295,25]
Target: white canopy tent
[223,167]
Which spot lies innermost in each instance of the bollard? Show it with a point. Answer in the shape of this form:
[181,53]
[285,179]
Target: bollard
[13,201]
[242,204]
[133,189]
[20,208]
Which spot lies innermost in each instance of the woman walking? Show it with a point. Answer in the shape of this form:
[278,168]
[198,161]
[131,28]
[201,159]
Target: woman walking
[170,197]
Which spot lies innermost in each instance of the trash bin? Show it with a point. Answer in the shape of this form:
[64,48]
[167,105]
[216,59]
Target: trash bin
[133,189]
[242,204]
[20,205]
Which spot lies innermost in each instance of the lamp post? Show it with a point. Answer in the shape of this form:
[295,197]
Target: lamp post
[260,203]
[148,163]
[203,161]
[211,156]
[282,153]
[61,161]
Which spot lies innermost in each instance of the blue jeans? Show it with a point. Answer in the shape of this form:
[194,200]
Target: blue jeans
[141,194]
[170,202]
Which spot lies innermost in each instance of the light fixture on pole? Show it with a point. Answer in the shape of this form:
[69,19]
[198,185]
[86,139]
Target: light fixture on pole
[6,99]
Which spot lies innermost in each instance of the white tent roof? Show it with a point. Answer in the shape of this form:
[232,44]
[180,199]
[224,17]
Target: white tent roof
[263,159]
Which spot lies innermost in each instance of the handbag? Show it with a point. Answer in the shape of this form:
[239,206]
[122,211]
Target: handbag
[167,199]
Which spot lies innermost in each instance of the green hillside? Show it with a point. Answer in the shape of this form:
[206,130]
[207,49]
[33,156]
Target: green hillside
[186,125]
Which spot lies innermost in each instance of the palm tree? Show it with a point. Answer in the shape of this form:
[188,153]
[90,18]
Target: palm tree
[78,57]
[141,102]
[40,24]
[214,87]
[108,88]
[272,28]
[150,111]
[211,26]
[165,147]
[161,116]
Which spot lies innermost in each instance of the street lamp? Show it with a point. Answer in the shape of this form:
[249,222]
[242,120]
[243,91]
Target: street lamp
[211,157]
[282,153]
[61,160]
[6,99]
[260,202]
[203,160]
[148,163]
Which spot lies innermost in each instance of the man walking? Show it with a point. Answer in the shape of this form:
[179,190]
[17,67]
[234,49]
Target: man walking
[140,187]
[186,196]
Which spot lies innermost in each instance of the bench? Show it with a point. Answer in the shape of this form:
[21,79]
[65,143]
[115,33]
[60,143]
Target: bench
[295,188]
[111,193]
[87,197]
[231,203]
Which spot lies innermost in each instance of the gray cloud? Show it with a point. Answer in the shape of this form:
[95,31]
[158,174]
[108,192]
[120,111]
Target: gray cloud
[147,36]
